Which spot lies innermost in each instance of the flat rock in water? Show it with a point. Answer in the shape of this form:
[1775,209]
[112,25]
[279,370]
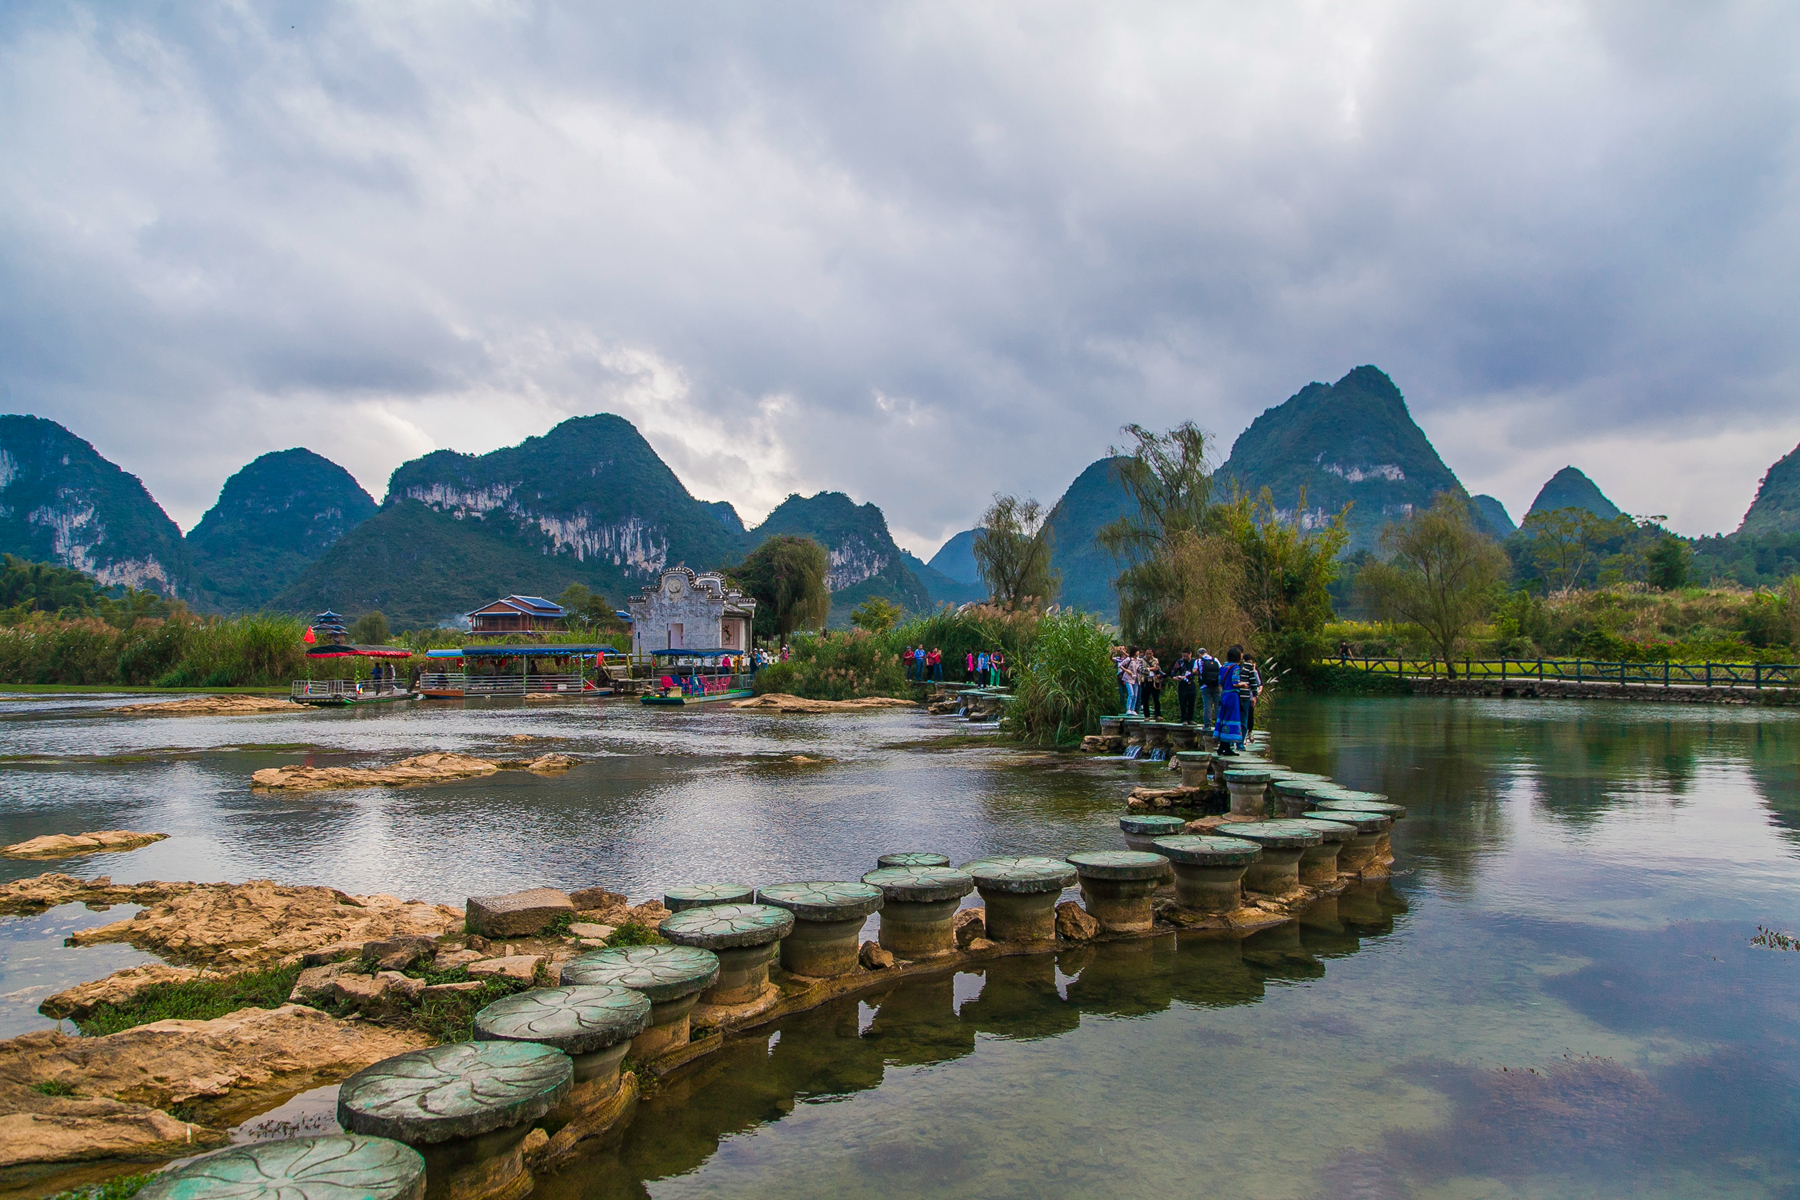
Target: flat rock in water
[67,845]
[342,1166]
[455,1091]
[210,706]
[784,703]
[1120,864]
[912,859]
[575,1020]
[517,914]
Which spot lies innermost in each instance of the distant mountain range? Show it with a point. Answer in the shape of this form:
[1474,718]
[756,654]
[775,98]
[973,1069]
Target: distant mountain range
[591,502]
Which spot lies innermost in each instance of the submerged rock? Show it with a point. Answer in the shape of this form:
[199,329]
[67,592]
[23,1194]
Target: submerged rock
[226,1068]
[781,702]
[421,768]
[67,845]
[210,706]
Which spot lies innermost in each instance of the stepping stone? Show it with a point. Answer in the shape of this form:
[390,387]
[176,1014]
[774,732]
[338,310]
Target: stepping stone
[343,1166]
[592,1025]
[1141,832]
[1295,795]
[466,1107]
[1319,864]
[1370,847]
[1196,767]
[516,914]
[703,895]
[1247,786]
[828,921]
[912,859]
[918,911]
[1345,793]
[1021,894]
[1282,842]
[1117,886]
[1209,870]
[670,977]
[744,936]
[1348,803]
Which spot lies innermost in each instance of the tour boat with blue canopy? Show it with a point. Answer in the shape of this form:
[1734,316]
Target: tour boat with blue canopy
[700,676]
[518,670]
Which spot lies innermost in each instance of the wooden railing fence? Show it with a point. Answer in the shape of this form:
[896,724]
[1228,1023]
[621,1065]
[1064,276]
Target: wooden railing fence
[1582,670]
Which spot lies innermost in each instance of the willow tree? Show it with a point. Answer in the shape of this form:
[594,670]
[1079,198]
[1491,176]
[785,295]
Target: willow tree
[1181,571]
[1440,573]
[786,575]
[1013,547]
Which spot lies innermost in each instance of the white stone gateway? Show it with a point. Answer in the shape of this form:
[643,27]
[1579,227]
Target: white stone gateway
[690,611]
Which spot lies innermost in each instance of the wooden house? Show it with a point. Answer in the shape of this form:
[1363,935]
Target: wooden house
[517,614]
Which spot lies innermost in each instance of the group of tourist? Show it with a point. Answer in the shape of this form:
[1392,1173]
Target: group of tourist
[927,665]
[922,664]
[1225,692]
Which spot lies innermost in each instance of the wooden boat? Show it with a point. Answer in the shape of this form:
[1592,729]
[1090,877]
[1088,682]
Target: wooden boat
[342,693]
[699,677]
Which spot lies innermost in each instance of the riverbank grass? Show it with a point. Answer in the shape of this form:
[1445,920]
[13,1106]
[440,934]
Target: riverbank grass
[193,1000]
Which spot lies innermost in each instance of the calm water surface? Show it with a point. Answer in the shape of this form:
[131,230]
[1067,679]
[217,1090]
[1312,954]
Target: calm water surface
[1556,996]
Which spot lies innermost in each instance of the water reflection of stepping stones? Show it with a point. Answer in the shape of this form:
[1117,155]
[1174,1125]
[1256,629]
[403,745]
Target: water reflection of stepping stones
[723,926]
[1024,874]
[921,885]
[1204,850]
[575,1020]
[822,901]
[455,1091]
[339,1167]
[1119,864]
[658,972]
[703,895]
[912,859]
[1274,835]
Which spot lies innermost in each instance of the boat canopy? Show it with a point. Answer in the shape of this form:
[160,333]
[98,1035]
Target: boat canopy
[346,651]
[695,653]
[545,650]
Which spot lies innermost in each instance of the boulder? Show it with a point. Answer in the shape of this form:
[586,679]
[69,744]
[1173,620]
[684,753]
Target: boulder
[398,953]
[874,957]
[449,960]
[522,967]
[979,944]
[450,989]
[589,930]
[1074,924]
[971,923]
[517,914]
[400,987]
[597,898]
[316,984]
[363,991]
[82,999]
[336,952]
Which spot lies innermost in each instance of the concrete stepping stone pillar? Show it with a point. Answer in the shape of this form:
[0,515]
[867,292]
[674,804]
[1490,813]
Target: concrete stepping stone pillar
[594,1026]
[1132,730]
[1196,768]
[703,895]
[828,921]
[1347,800]
[744,936]
[1109,726]
[337,1167]
[1282,842]
[1117,886]
[1156,735]
[465,1107]
[1209,870]
[1247,786]
[918,910]
[1141,832]
[671,978]
[913,858]
[1319,864]
[1021,894]
[1294,793]
[1364,853]
[1183,737]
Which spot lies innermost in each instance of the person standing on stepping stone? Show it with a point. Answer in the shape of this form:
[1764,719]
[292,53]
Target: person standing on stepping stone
[1184,687]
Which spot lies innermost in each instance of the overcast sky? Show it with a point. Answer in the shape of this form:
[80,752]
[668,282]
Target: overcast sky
[918,253]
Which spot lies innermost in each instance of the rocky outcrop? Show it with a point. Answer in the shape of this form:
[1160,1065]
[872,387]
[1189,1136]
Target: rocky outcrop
[121,986]
[262,924]
[41,892]
[220,1070]
[423,768]
[211,706]
[784,703]
[67,845]
[971,924]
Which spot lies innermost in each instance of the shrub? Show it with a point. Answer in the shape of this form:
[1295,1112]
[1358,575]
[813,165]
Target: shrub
[1066,683]
[840,667]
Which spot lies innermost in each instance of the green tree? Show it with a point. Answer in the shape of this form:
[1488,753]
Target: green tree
[1013,547]
[1287,573]
[587,609]
[786,576]
[1666,563]
[1440,573]
[877,614]
[371,629]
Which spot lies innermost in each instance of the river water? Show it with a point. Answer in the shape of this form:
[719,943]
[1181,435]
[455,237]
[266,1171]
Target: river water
[1557,995]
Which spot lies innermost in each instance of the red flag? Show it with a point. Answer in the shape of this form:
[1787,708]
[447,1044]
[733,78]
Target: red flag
[309,639]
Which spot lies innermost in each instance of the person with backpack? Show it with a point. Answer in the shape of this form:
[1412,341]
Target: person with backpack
[1184,687]
[1250,686]
[1207,670]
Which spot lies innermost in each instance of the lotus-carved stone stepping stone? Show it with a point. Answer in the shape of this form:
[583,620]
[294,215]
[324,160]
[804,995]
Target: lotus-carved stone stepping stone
[1117,886]
[1370,849]
[1247,786]
[466,1107]
[1021,894]
[1282,842]
[702,895]
[670,977]
[594,1026]
[912,859]
[1209,870]
[1319,864]
[1295,793]
[744,936]
[1142,832]
[918,911]
[1356,802]
[828,921]
[344,1166]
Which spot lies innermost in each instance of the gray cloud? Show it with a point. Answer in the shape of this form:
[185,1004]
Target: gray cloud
[915,252]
